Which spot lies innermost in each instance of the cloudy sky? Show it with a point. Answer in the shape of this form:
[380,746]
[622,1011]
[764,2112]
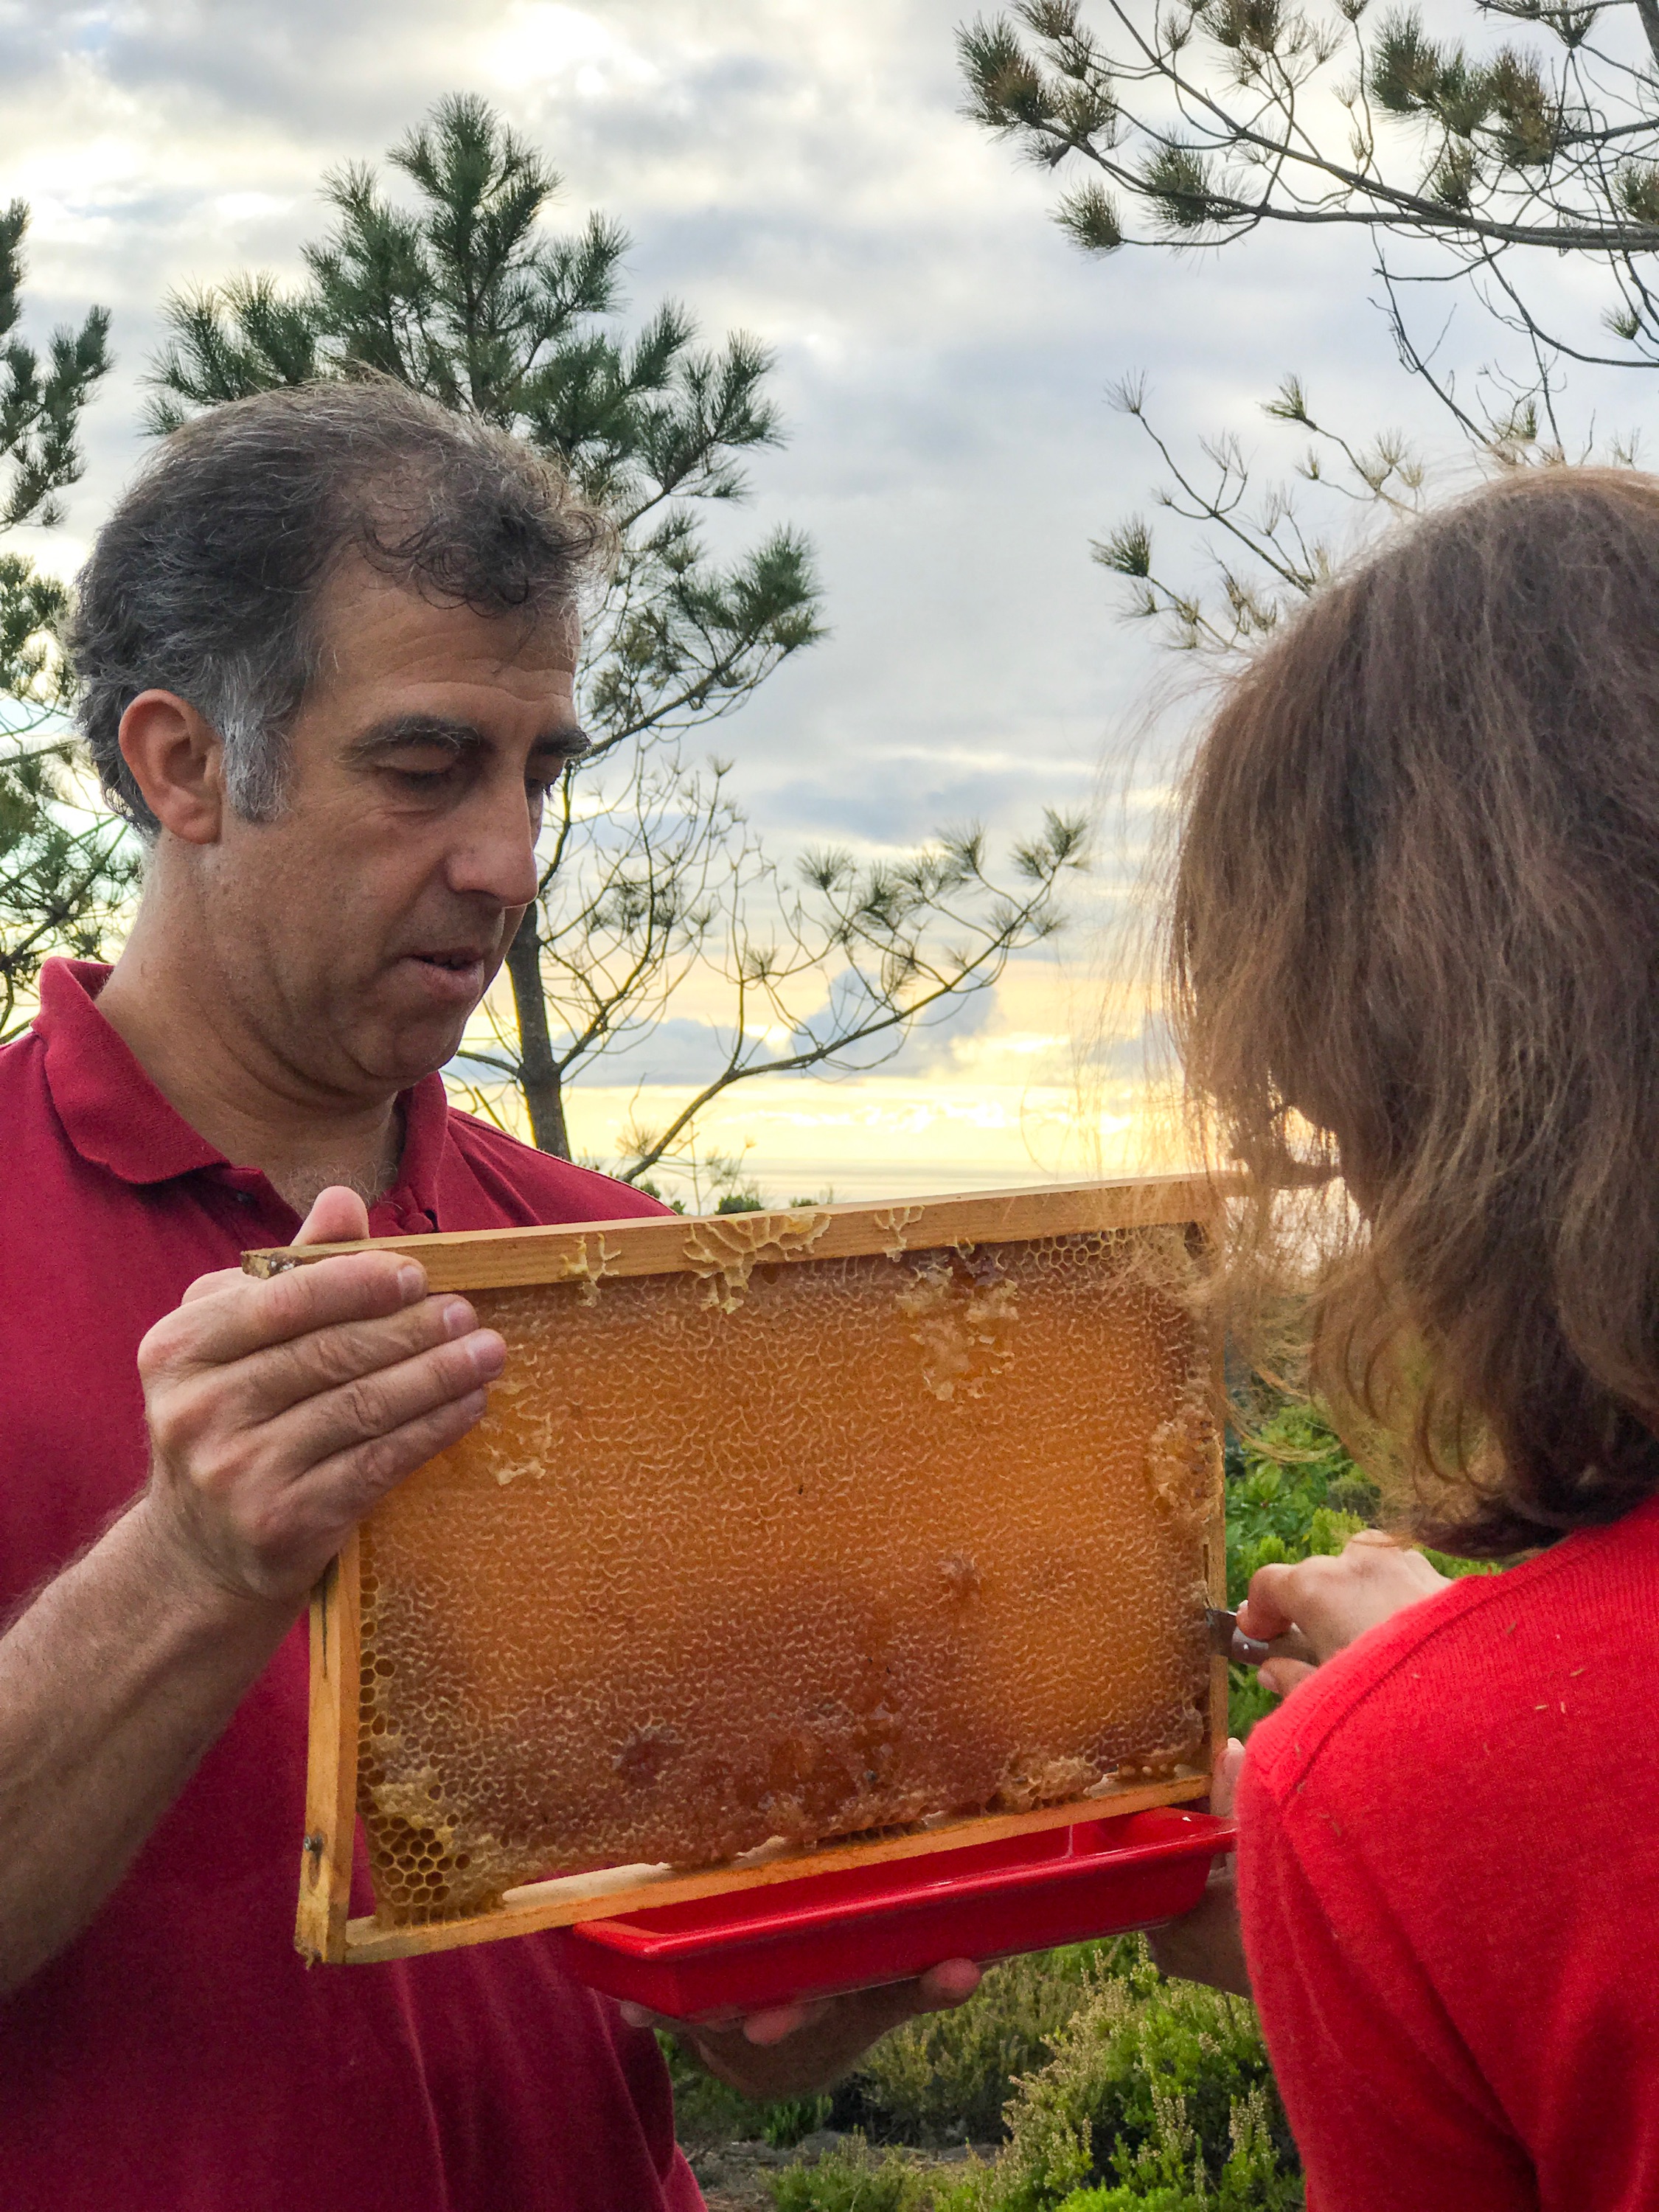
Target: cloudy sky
[944,355]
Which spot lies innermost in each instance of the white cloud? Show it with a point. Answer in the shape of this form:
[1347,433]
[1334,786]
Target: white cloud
[541,43]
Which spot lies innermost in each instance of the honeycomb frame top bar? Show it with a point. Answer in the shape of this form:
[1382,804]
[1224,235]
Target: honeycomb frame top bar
[711,1245]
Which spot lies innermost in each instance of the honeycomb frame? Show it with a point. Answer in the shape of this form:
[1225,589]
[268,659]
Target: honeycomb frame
[720,1253]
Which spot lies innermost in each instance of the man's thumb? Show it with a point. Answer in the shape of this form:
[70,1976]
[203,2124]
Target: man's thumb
[338,1216]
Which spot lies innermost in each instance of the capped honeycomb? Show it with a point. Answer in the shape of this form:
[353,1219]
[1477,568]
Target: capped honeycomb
[796,1548]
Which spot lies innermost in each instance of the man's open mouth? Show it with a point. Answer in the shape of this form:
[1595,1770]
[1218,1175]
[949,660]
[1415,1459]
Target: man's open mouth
[455,975]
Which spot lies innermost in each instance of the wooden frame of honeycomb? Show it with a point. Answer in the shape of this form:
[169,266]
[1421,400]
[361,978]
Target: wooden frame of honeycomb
[929,1578]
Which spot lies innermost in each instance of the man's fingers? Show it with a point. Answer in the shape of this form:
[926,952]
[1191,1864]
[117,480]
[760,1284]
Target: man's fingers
[858,2018]
[944,1987]
[211,1286]
[871,2012]
[776,2021]
[338,1216]
[248,1315]
[638,2015]
[267,1383]
[347,1485]
[318,1427]
[1205,1944]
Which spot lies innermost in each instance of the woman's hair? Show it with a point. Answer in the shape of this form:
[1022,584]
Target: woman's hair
[1415,934]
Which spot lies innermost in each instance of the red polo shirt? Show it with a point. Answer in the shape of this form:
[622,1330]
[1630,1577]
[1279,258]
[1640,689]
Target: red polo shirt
[177,2057]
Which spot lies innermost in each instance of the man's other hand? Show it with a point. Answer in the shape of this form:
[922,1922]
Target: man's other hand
[793,2051]
[279,1410]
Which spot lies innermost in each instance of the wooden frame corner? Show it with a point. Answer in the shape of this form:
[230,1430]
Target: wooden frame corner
[328,1848]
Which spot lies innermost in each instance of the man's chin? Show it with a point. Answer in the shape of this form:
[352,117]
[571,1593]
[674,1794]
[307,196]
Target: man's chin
[404,1051]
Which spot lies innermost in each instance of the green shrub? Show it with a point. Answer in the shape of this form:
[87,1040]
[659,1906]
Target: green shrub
[1168,2173]
[1279,1481]
[787,2121]
[947,2076]
[851,2179]
[1280,1477]
[705,2112]
[1152,2086]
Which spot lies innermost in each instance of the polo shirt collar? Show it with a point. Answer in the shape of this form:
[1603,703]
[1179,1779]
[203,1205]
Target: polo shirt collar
[111,1111]
[113,1115]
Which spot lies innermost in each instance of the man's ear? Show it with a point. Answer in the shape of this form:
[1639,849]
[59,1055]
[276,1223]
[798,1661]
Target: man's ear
[177,761]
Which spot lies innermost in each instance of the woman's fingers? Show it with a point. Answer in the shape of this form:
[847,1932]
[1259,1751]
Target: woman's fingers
[1224,1782]
[1333,1601]
[1279,1677]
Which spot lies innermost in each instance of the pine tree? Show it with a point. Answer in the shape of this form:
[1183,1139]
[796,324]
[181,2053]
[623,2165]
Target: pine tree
[1468,167]
[648,871]
[63,869]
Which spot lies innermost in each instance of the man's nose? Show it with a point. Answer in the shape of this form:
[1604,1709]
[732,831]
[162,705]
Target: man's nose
[494,852]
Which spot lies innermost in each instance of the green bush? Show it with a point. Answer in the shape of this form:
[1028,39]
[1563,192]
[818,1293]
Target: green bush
[946,2077]
[1150,2094]
[1279,1479]
[1169,2174]
[851,2179]
[783,2125]
[1152,2084]
[705,2112]
[1146,2096]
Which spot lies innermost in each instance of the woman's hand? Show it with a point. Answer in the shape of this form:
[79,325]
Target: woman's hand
[1333,1601]
[1328,1602]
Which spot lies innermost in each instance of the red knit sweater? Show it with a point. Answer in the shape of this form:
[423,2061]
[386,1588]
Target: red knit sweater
[1449,1883]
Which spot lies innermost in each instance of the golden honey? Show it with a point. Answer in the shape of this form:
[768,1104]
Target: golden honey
[794,1548]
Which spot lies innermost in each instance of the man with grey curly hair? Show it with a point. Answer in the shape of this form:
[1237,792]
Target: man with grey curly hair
[327,649]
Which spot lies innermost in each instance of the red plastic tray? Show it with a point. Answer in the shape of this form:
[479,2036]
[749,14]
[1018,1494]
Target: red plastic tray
[825,1932]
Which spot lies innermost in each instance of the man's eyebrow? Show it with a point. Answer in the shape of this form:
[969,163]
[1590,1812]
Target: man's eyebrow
[568,739]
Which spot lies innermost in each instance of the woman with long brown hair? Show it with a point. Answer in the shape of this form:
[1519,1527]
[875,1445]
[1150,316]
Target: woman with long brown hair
[1415,938]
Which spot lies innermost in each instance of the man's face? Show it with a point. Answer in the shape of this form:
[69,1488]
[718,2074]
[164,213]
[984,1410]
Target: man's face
[359,929]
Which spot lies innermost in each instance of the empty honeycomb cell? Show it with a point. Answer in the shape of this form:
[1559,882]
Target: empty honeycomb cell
[790,1547]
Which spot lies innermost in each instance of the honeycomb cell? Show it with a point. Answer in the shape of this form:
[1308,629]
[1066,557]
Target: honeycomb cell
[800,1550]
